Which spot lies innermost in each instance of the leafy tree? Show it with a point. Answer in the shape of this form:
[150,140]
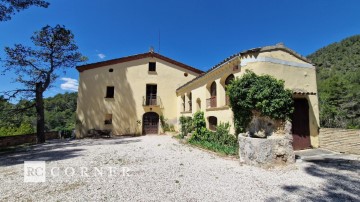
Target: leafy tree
[38,68]
[264,94]
[10,7]
[59,112]
[338,78]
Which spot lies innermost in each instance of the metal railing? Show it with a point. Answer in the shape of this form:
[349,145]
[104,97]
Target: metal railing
[151,100]
[211,102]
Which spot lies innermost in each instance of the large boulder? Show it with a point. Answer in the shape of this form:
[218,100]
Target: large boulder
[270,152]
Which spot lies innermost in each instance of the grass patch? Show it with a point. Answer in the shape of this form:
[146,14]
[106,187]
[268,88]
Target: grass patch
[178,136]
[216,147]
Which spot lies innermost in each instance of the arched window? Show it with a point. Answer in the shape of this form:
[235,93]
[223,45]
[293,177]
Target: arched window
[227,82]
[211,102]
[198,103]
[229,79]
[213,89]
[212,122]
[183,102]
[190,101]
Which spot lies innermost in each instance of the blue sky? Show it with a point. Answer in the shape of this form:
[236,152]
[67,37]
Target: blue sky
[199,33]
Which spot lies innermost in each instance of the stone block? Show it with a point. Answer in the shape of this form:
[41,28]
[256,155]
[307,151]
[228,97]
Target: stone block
[270,152]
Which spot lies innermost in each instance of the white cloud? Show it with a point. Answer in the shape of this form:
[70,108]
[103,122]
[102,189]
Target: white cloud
[101,55]
[70,84]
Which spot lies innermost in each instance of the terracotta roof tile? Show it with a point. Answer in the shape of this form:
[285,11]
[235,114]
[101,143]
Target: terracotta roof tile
[136,57]
[279,46]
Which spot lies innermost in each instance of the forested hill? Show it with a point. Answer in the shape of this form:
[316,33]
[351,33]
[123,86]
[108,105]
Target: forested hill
[59,115]
[338,77]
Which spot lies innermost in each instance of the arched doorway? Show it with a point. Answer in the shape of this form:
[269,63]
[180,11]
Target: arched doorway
[150,123]
[227,82]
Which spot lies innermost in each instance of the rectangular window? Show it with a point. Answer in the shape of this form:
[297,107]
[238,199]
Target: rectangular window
[152,66]
[108,119]
[236,67]
[110,92]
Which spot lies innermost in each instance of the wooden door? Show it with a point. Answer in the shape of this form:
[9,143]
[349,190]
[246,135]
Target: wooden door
[300,125]
[150,123]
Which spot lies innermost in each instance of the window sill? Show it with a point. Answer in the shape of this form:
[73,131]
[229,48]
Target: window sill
[186,112]
[218,108]
[152,72]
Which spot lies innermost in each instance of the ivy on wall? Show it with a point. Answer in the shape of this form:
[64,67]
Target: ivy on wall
[263,94]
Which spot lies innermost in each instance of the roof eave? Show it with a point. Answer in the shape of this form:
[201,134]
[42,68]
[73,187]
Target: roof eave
[137,57]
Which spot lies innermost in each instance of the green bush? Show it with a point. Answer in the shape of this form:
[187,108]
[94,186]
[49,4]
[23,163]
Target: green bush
[186,125]
[24,128]
[264,94]
[199,124]
[164,125]
[172,128]
[220,141]
[223,136]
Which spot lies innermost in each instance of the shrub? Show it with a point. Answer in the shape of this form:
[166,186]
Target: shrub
[186,124]
[200,131]
[164,126]
[223,136]
[172,128]
[24,128]
[219,141]
[264,94]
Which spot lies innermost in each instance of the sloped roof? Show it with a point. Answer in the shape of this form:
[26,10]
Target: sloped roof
[137,57]
[279,46]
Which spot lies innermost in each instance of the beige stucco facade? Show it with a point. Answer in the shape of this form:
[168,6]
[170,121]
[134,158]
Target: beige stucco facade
[127,107]
[298,74]
[183,95]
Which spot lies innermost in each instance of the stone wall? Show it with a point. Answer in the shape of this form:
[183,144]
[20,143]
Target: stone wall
[22,139]
[340,140]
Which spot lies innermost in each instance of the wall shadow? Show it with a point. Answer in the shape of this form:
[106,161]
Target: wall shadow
[93,106]
[56,150]
[35,155]
[342,181]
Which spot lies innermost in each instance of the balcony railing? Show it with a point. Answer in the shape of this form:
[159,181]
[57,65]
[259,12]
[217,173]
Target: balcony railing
[151,100]
[211,102]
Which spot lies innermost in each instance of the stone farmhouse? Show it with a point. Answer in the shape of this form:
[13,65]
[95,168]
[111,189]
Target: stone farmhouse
[128,95]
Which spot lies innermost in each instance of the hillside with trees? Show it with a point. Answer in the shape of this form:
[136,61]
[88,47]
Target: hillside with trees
[338,77]
[59,112]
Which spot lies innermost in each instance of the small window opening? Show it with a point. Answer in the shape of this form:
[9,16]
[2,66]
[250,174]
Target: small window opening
[185,74]
[108,119]
[212,123]
[111,70]
[110,92]
[152,66]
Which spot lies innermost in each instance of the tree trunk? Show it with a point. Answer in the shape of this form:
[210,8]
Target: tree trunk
[40,125]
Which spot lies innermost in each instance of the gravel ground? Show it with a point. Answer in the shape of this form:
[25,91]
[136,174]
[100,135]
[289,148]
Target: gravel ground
[158,168]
